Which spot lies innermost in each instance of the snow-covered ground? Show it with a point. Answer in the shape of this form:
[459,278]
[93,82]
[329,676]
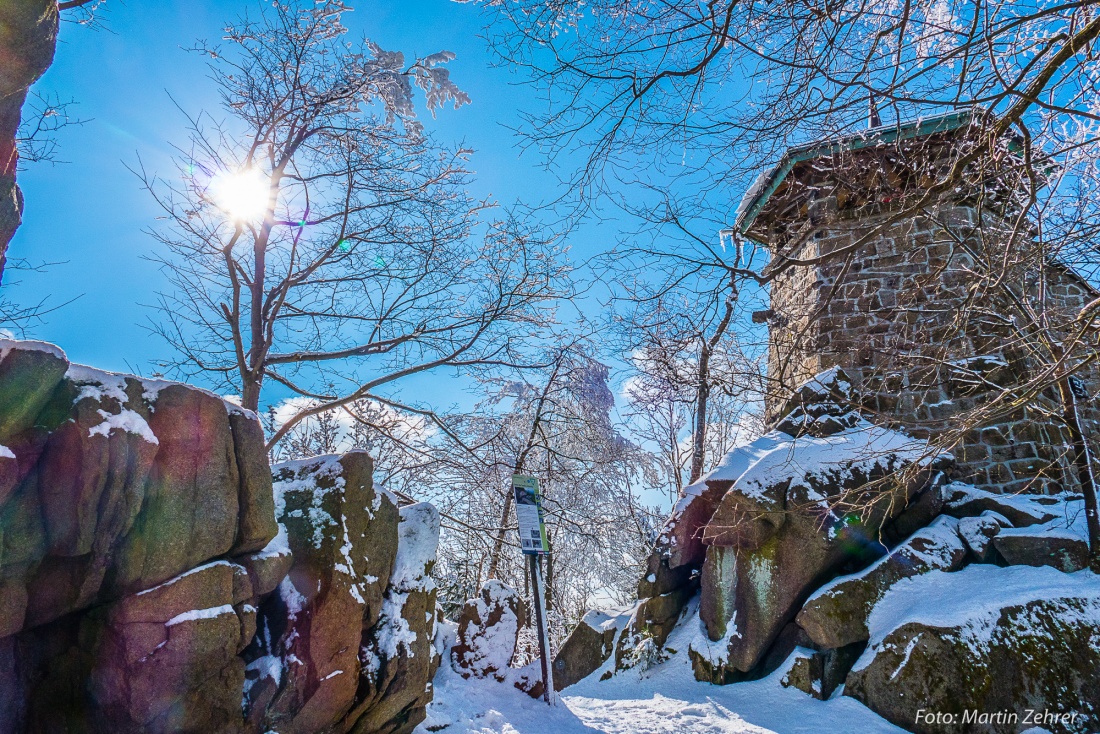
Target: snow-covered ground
[665,699]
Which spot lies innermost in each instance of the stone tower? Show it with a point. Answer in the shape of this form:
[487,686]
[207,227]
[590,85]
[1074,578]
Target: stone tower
[892,293]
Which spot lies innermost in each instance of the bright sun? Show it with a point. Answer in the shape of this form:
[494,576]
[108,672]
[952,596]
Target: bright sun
[242,195]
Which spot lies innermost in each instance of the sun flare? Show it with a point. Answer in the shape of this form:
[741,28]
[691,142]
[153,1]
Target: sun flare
[242,195]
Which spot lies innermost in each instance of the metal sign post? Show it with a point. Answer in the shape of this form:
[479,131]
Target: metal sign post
[533,542]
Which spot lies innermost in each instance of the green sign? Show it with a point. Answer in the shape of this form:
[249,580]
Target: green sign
[532,528]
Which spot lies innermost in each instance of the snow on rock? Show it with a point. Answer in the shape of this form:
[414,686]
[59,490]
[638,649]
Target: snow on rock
[978,533]
[836,614]
[729,469]
[1069,522]
[197,614]
[1038,530]
[311,479]
[417,540]
[1061,543]
[402,652]
[488,629]
[97,384]
[784,523]
[590,647]
[714,652]
[965,500]
[8,345]
[278,546]
[186,574]
[128,421]
[134,495]
[350,641]
[821,444]
[100,384]
[984,639]
[818,462]
[963,599]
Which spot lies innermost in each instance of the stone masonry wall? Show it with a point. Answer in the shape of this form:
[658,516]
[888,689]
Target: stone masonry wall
[906,318]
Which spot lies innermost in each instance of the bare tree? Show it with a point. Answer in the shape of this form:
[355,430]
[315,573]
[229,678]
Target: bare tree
[554,423]
[692,98]
[318,238]
[678,312]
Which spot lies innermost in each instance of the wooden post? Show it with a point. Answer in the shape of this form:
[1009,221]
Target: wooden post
[544,637]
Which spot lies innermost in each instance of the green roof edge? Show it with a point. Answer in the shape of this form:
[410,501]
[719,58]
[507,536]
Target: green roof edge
[856,141]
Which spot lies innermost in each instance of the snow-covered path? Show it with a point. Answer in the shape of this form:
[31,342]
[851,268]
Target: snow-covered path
[668,701]
[663,700]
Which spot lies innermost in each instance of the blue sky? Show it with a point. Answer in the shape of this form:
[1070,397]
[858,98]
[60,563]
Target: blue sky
[89,213]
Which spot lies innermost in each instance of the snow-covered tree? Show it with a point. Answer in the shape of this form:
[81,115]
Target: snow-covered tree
[685,102]
[318,238]
[555,423]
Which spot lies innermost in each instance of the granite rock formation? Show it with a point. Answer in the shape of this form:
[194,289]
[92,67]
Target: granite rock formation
[146,586]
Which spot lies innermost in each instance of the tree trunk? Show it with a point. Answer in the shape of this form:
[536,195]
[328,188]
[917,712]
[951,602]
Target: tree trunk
[698,446]
[540,405]
[498,543]
[1082,460]
[703,390]
[250,395]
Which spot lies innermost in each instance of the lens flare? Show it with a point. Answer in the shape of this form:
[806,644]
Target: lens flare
[242,195]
